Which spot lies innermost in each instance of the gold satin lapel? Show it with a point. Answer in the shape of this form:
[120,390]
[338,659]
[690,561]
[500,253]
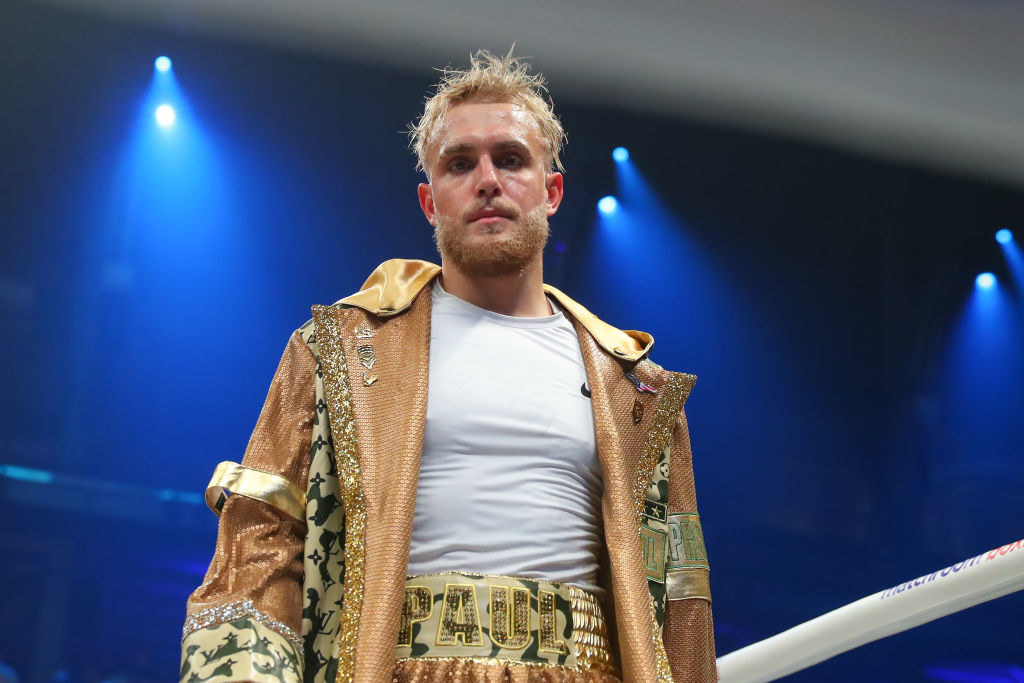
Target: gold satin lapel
[393,286]
[630,345]
[390,413]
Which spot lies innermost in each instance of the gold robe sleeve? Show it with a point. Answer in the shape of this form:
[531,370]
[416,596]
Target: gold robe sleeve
[244,621]
[688,633]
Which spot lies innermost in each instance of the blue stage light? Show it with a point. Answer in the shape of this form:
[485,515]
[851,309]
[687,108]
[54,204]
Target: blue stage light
[162,63]
[165,115]
[985,280]
[620,154]
[1004,236]
[607,205]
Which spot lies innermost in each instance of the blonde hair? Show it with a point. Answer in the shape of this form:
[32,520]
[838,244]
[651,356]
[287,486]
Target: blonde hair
[490,78]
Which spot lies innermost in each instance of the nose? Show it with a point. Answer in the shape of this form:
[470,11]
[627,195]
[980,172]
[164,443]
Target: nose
[487,182]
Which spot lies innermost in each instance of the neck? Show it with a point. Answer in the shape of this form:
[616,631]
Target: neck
[520,295]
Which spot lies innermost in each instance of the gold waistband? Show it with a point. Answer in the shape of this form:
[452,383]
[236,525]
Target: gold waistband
[481,616]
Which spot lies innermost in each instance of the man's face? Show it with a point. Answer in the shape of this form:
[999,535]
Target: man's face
[490,192]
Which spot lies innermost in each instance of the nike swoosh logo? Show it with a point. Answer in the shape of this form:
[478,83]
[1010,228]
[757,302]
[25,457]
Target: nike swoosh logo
[584,390]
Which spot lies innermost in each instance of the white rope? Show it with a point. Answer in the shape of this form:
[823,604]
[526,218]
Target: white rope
[912,603]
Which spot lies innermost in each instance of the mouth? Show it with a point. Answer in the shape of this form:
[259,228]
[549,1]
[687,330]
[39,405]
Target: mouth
[489,215]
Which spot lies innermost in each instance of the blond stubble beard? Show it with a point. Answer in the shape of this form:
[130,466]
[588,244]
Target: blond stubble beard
[505,255]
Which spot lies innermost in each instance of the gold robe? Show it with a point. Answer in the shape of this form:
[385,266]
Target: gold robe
[307,579]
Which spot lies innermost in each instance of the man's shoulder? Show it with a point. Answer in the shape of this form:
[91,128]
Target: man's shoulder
[391,287]
[389,290]
[625,345]
[306,331]
[649,372]
[631,348]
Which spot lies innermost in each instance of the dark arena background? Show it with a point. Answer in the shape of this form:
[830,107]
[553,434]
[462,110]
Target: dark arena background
[828,267]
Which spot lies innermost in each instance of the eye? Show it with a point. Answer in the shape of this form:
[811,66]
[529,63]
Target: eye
[512,161]
[458,165]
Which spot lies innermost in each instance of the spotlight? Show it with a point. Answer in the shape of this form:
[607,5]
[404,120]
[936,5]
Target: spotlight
[165,115]
[162,63]
[985,280]
[620,154]
[1004,236]
[607,205]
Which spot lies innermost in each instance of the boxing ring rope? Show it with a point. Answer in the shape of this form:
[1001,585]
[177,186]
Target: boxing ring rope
[909,604]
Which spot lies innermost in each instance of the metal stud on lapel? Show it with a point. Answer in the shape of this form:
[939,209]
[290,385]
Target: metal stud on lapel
[638,411]
[367,356]
[642,387]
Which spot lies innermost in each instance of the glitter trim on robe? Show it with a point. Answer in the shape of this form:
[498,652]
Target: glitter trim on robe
[674,395]
[343,432]
[236,610]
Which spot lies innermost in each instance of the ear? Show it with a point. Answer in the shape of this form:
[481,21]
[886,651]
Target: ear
[553,184]
[426,196]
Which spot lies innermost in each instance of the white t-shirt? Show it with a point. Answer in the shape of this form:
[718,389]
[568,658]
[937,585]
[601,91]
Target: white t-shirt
[509,481]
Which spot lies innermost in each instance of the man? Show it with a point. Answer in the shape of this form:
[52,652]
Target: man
[459,472]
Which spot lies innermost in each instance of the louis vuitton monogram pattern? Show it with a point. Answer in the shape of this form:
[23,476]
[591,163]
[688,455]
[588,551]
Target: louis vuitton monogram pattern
[324,557]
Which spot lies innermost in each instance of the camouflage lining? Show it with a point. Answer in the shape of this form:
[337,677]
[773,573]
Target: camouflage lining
[239,650]
[654,533]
